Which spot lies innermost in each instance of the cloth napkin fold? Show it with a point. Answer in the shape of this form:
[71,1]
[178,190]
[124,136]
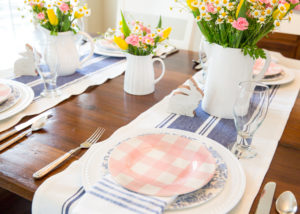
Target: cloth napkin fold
[108,195]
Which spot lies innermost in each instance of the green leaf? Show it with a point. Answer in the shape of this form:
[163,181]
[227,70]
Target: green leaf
[125,27]
[159,22]
[243,10]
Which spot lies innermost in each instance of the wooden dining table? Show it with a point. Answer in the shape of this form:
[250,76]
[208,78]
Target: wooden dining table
[108,106]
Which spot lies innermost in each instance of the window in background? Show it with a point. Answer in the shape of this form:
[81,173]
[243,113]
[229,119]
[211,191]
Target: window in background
[15,32]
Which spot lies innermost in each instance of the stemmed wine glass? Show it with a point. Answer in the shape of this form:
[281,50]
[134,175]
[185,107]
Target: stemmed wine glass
[46,63]
[249,112]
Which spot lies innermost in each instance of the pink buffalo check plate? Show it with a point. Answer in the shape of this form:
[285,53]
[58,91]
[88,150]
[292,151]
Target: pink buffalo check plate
[162,164]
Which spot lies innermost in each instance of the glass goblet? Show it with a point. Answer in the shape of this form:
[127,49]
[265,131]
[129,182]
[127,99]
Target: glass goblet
[249,112]
[46,63]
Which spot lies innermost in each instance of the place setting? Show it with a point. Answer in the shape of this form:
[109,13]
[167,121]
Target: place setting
[14,98]
[185,169]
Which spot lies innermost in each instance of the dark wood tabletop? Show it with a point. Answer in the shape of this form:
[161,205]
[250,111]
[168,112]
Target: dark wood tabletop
[108,106]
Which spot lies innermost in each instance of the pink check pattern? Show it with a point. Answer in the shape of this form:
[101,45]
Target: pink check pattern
[162,164]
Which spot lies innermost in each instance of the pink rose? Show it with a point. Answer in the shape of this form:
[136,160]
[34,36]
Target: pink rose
[40,16]
[133,40]
[145,29]
[64,7]
[210,8]
[294,1]
[265,1]
[240,24]
[282,2]
[297,7]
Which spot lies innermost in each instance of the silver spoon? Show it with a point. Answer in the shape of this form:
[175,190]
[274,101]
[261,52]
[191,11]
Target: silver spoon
[37,125]
[286,203]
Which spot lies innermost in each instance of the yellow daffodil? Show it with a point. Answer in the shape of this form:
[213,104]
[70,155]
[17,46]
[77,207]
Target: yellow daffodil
[78,15]
[52,17]
[165,34]
[121,43]
[189,3]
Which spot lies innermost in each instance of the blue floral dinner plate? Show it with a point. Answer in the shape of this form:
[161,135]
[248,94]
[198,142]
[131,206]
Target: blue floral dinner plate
[206,193]
[200,196]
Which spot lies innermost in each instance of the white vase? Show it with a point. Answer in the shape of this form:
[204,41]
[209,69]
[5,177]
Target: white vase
[68,59]
[227,68]
[139,75]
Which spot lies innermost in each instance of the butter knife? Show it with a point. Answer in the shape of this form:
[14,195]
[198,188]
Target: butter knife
[22,126]
[266,198]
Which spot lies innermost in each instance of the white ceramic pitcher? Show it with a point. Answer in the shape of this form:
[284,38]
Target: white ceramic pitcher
[227,68]
[139,74]
[68,56]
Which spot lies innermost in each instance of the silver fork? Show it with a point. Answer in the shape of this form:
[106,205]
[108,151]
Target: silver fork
[85,145]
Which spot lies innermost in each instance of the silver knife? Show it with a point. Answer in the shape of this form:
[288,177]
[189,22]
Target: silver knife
[266,198]
[22,126]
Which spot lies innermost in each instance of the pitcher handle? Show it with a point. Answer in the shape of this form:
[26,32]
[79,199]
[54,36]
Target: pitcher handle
[163,69]
[260,75]
[91,41]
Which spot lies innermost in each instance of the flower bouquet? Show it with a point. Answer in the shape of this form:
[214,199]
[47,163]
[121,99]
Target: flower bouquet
[239,24]
[139,39]
[57,16]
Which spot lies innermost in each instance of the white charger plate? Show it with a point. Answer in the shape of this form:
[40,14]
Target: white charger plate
[104,52]
[26,97]
[288,77]
[94,167]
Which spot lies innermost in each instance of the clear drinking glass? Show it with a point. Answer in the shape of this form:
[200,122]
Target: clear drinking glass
[249,111]
[46,62]
[202,57]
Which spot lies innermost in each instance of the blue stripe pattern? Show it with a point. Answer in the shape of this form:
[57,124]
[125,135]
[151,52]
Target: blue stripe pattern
[80,73]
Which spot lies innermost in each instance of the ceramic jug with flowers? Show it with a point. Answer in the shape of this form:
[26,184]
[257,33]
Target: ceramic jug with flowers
[59,21]
[139,41]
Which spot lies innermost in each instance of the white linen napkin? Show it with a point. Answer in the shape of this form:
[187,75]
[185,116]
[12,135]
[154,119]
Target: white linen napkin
[107,196]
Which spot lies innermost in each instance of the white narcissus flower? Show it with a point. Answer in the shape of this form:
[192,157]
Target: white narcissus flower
[230,6]
[277,23]
[87,12]
[269,11]
[256,13]
[282,8]
[222,14]
[195,3]
[261,20]
[207,18]
[219,21]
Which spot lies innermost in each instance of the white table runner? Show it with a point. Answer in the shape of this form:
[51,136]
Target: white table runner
[61,193]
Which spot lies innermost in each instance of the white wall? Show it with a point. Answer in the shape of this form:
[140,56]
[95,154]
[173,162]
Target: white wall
[292,27]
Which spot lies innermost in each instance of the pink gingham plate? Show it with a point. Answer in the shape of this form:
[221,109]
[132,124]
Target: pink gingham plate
[162,164]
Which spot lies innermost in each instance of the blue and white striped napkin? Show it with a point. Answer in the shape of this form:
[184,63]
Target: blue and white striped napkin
[109,197]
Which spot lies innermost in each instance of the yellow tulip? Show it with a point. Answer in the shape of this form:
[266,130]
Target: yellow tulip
[52,17]
[166,33]
[189,3]
[78,15]
[239,8]
[121,43]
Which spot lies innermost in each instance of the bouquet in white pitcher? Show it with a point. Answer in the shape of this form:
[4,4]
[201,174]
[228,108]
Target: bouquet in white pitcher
[138,39]
[57,16]
[239,24]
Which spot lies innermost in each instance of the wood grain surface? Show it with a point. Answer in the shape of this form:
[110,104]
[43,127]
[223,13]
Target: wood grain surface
[110,107]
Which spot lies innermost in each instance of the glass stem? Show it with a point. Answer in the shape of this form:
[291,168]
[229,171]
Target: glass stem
[243,142]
